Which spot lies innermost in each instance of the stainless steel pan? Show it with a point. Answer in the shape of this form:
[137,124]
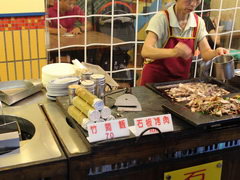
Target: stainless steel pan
[14,91]
[223,67]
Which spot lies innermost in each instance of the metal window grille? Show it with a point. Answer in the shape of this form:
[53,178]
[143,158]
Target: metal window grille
[143,11]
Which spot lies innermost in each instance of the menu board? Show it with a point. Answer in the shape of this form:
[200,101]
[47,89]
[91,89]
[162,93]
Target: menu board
[18,7]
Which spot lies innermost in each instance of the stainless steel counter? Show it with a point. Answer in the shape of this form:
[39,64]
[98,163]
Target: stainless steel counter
[42,147]
[71,141]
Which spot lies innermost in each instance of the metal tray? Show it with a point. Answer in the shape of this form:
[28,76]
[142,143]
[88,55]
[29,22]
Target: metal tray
[14,91]
[197,119]
[160,88]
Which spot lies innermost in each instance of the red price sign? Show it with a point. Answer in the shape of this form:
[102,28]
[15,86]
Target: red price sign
[108,130]
[162,122]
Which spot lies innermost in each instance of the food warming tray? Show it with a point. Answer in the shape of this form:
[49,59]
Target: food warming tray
[197,119]
[14,91]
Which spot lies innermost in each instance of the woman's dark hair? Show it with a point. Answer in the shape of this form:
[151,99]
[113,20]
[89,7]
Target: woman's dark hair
[206,6]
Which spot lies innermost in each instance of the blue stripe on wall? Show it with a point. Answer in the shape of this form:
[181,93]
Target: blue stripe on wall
[22,14]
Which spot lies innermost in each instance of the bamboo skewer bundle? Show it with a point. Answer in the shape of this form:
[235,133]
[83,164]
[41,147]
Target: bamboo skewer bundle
[88,108]
[79,116]
[84,107]
[90,98]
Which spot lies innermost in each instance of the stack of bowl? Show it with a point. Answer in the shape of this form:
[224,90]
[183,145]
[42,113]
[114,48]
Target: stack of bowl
[57,70]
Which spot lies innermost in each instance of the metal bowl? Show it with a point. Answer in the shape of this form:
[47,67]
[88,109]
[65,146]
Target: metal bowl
[223,67]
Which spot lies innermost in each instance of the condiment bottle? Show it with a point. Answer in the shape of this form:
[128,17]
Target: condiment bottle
[89,85]
[99,80]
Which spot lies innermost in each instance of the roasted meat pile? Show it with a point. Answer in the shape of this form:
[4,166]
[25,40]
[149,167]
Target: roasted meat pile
[216,105]
[206,98]
[190,91]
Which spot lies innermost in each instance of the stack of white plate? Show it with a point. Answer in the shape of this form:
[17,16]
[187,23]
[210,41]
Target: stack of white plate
[237,72]
[59,86]
[56,70]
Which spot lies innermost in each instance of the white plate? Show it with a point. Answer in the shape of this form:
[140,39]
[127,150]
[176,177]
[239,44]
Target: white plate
[56,94]
[56,88]
[62,83]
[56,70]
[237,72]
[53,98]
[68,35]
[65,80]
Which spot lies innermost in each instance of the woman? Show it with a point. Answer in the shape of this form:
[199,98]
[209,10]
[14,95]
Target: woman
[73,25]
[172,37]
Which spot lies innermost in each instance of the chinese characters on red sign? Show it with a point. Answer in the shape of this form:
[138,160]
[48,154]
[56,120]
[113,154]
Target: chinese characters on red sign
[152,121]
[108,130]
[162,122]
[93,129]
[122,124]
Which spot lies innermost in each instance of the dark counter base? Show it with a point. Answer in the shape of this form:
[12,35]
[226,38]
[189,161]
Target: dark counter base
[48,171]
[153,155]
[153,158]
[156,170]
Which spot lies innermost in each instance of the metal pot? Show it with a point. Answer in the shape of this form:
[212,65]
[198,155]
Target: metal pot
[223,67]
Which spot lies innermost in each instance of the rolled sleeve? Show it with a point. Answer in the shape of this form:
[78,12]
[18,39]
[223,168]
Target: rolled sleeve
[202,32]
[159,25]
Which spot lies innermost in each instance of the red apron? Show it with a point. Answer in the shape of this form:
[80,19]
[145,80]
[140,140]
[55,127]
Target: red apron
[170,69]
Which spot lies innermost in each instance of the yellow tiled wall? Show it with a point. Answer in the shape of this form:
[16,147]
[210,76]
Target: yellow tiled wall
[22,47]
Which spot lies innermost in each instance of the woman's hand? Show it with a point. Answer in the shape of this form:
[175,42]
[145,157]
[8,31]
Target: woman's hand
[63,30]
[183,51]
[76,31]
[221,51]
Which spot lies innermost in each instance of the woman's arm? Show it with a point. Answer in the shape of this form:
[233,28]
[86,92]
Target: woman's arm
[80,29]
[207,53]
[150,51]
[53,30]
[89,26]
[214,36]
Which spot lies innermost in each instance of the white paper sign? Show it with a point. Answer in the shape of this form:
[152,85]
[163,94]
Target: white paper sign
[107,130]
[162,122]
